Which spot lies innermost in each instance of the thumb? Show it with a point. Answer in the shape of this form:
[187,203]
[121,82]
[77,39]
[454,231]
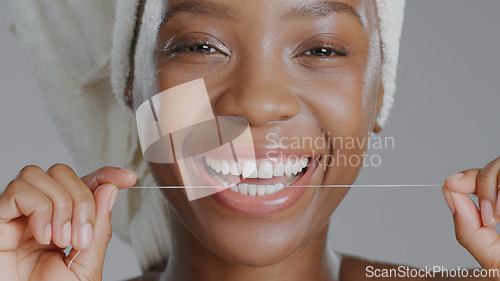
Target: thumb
[121,178]
[87,265]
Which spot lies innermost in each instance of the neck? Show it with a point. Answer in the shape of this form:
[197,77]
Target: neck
[190,260]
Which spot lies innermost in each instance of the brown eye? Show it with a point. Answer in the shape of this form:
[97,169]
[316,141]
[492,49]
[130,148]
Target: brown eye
[195,47]
[202,48]
[321,52]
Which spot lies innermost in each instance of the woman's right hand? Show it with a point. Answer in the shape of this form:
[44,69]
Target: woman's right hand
[42,213]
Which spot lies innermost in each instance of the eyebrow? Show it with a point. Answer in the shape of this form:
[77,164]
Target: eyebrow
[322,9]
[222,11]
[216,10]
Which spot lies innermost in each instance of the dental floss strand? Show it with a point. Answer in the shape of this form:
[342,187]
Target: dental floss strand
[71,261]
[304,186]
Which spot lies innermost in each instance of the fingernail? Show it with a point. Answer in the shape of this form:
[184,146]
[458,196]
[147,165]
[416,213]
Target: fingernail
[455,177]
[85,236]
[66,234]
[113,199]
[487,212]
[95,191]
[449,201]
[126,171]
[47,235]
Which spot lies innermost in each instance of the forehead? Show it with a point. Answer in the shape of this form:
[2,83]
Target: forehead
[363,11]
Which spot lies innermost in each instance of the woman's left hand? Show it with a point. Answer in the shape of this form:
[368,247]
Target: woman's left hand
[474,227]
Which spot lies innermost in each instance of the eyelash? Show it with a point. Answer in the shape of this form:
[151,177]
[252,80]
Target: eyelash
[336,50]
[182,47]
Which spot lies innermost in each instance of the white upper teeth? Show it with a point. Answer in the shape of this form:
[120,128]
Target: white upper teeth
[266,170]
[304,162]
[249,169]
[288,169]
[279,170]
[225,167]
[235,168]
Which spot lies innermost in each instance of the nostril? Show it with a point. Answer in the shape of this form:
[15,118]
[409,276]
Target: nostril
[281,118]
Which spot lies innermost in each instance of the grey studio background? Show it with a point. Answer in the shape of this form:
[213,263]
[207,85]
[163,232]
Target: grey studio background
[446,119]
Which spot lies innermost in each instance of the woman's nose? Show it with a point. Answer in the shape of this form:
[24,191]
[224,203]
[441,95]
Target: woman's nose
[260,98]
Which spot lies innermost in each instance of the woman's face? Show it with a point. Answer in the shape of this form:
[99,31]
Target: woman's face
[304,74]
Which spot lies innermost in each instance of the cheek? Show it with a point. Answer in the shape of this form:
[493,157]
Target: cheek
[166,174]
[329,199]
[338,104]
[169,77]
[343,107]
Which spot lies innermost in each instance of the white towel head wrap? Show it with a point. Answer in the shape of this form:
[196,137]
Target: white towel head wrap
[80,51]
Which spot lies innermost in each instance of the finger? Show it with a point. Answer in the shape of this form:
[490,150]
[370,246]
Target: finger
[20,199]
[121,178]
[487,192]
[479,240]
[92,259]
[463,182]
[83,205]
[62,203]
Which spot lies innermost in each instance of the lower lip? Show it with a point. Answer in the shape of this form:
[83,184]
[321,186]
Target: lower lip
[268,204]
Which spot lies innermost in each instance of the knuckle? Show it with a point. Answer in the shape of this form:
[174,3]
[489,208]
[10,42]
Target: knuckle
[64,204]
[15,184]
[484,179]
[13,187]
[59,169]
[46,207]
[29,171]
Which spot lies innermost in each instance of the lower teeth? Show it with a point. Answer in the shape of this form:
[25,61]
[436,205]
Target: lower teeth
[257,190]
[253,189]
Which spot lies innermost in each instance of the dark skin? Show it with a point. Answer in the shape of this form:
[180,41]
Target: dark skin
[306,97]
[319,90]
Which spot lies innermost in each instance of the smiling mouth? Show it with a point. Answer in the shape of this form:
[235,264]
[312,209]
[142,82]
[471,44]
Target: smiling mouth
[264,177]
